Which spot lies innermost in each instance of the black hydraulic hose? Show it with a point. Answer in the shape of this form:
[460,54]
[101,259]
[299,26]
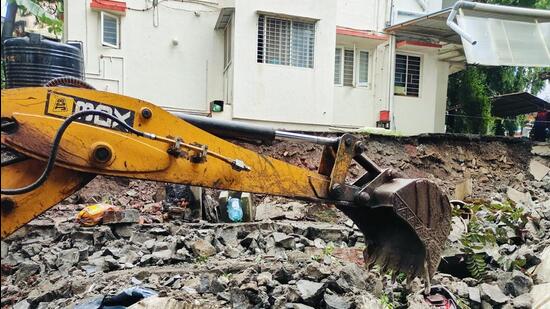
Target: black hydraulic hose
[55,147]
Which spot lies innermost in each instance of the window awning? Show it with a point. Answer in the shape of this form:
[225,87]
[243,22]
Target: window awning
[514,104]
[224,18]
[116,7]
[432,27]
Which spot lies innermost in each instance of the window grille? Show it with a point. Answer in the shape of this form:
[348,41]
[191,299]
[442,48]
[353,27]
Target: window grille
[349,56]
[338,67]
[407,75]
[285,42]
[303,40]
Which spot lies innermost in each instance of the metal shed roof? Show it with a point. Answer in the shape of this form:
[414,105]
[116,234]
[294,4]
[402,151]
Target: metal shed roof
[520,103]
[433,26]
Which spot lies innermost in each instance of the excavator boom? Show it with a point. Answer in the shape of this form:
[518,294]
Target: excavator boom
[65,136]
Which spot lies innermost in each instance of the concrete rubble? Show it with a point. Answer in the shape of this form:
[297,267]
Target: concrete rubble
[296,254]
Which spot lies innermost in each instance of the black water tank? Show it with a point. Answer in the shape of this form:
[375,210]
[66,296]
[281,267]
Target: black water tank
[34,60]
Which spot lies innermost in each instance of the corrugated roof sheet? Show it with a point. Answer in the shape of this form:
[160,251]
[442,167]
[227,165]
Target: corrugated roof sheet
[514,104]
[433,26]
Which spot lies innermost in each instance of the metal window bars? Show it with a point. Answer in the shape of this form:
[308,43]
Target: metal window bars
[285,42]
[407,75]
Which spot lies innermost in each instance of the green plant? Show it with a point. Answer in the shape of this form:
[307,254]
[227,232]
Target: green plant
[487,228]
[386,302]
[329,249]
[201,259]
[228,276]
[475,263]
[316,258]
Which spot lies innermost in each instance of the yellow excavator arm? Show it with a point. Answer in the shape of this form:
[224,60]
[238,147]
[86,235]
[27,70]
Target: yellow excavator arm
[62,137]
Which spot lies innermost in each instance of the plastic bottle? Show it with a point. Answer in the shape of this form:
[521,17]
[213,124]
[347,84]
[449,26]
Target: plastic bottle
[234,209]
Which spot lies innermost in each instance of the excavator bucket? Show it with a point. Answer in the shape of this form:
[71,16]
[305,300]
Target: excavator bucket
[405,223]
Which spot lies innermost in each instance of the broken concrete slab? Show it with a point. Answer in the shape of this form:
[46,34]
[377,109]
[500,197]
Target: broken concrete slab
[310,291]
[542,149]
[68,258]
[518,284]
[25,270]
[203,248]
[333,301]
[538,170]
[463,189]
[284,240]
[542,270]
[524,301]
[4,250]
[291,210]
[493,294]
[540,296]
[126,216]
[519,197]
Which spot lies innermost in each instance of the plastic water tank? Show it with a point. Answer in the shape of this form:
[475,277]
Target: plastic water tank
[34,60]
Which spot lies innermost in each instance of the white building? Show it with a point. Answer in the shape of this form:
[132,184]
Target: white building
[303,65]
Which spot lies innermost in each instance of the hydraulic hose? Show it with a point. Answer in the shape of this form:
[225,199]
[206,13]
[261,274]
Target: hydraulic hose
[55,147]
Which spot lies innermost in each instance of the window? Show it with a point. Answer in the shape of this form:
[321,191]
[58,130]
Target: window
[285,41]
[346,62]
[110,30]
[227,45]
[407,75]
[338,67]
[363,68]
[348,67]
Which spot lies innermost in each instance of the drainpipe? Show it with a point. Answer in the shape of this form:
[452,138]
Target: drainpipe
[392,81]
[510,10]
[7,29]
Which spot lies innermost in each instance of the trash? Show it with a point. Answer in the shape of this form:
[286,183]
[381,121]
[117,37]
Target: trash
[441,297]
[234,210]
[121,300]
[161,302]
[93,214]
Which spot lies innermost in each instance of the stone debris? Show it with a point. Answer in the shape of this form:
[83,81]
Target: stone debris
[493,294]
[518,284]
[524,301]
[297,254]
[539,294]
[121,216]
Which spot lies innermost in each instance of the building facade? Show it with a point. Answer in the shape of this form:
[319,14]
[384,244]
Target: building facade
[300,65]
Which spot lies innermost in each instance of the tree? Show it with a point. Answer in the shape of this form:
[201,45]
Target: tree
[47,12]
[470,90]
